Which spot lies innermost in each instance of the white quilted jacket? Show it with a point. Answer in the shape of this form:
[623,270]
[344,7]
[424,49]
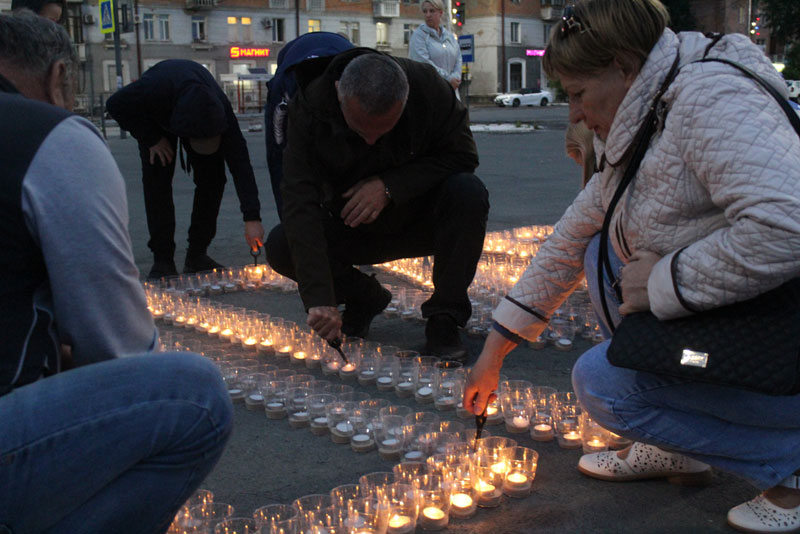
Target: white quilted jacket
[722,177]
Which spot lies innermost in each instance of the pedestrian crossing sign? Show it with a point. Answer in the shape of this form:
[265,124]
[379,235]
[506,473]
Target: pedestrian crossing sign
[107,16]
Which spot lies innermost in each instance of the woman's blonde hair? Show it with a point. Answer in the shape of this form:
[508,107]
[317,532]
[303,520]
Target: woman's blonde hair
[437,4]
[579,144]
[595,32]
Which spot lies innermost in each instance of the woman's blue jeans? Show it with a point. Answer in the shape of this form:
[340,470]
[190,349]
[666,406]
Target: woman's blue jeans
[749,434]
[116,446]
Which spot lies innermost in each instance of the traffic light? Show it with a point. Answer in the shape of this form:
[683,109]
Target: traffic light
[459,10]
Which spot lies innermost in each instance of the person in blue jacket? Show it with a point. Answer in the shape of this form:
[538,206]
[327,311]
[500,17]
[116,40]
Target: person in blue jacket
[176,101]
[282,88]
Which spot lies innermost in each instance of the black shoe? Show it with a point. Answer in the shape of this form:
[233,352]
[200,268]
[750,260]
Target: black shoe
[162,268]
[196,264]
[444,340]
[358,314]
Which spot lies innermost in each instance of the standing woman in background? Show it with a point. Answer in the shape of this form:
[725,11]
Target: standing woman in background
[434,44]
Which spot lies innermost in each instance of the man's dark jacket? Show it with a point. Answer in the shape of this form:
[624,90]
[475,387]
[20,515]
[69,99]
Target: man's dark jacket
[180,97]
[324,158]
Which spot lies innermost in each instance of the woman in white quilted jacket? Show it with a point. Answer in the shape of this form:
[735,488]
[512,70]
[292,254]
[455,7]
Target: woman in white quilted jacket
[434,44]
[712,217]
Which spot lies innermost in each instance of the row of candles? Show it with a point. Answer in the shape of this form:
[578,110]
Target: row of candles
[426,494]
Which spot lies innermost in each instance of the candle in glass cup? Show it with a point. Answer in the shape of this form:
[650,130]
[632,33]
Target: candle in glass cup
[462,505]
[433,518]
[542,432]
[517,481]
[254,401]
[595,445]
[347,371]
[488,494]
[362,442]
[400,524]
[570,440]
[519,423]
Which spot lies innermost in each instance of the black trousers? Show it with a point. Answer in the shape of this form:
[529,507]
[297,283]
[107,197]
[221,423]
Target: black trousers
[209,180]
[449,223]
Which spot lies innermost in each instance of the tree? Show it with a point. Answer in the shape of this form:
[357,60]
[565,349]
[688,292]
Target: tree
[680,17]
[783,18]
[792,59]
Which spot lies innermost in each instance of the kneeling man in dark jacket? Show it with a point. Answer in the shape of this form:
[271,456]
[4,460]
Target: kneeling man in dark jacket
[378,166]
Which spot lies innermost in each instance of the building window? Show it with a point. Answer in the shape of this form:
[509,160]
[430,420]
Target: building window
[351,30]
[408,29]
[547,29]
[278,35]
[74,23]
[381,33]
[314,25]
[315,5]
[411,1]
[148,26]
[742,18]
[233,30]
[514,36]
[247,29]
[163,27]
[279,4]
[554,3]
[199,28]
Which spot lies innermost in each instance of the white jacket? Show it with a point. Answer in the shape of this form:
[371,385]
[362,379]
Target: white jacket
[721,178]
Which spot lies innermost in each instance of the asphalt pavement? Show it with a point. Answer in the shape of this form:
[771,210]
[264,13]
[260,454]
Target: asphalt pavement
[530,181]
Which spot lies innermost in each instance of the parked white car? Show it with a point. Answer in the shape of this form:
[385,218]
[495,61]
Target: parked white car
[794,89]
[524,97]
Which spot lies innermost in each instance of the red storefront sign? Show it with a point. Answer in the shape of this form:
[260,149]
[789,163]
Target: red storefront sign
[237,52]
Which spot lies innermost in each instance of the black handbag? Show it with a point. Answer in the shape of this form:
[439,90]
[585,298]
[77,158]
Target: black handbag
[753,344]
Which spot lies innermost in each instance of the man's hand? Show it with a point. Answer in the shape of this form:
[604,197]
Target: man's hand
[633,281]
[455,83]
[485,374]
[367,200]
[254,234]
[163,151]
[326,322]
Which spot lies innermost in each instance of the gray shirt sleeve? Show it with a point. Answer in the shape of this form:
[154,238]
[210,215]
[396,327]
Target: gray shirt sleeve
[74,202]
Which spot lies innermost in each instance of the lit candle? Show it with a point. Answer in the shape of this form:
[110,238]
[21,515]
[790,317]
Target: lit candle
[570,440]
[488,494]
[517,484]
[400,524]
[299,356]
[595,445]
[250,342]
[433,518]
[462,505]
[519,423]
[499,468]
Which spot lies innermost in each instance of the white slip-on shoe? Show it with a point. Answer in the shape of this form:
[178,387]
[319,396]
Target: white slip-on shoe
[641,462]
[760,515]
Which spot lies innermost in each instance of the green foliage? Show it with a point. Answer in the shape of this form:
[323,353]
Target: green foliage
[792,70]
[680,17]
[783,18]
[560,94]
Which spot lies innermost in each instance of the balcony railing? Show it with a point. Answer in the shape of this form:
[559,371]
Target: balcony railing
[200,4]
[384,9]
[551,13]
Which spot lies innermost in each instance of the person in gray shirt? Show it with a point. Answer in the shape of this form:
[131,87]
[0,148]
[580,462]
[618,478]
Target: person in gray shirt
[117,443]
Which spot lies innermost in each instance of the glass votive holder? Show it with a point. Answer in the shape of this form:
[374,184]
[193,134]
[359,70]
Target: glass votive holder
[448,389]
[522,464]
[312,508]
[616,442]
[275,393]
[292,525]
[204,517]
[181,523]
[363,438]
[268,516]
[542,413]
[403,501]
[331,363]
[413,449]
[470,438]
[488,480]
[355,396]
[318,419]
[349,370]
[253,384]
[515,401]
[342,495]
[396,409]
[407,472]
[494,415]
[337,389]
[434,501]
[315,350]
[496,447]
[366,515]
[464,496]
[566,414]
[375,404]
[339,425]
[297,406]
[390,437]
[368,369]
[422,417]
[236,525]
[375,484]
[424,378]
[594,437]
[403,374]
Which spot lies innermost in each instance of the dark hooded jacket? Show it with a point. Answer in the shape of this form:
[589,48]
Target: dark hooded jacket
[324,158]
[182,98]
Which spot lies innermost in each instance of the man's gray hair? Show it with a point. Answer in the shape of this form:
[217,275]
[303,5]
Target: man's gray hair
[377,82]
[32,44]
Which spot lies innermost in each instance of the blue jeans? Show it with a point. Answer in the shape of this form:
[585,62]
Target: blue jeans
[749,434]
[116,446]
